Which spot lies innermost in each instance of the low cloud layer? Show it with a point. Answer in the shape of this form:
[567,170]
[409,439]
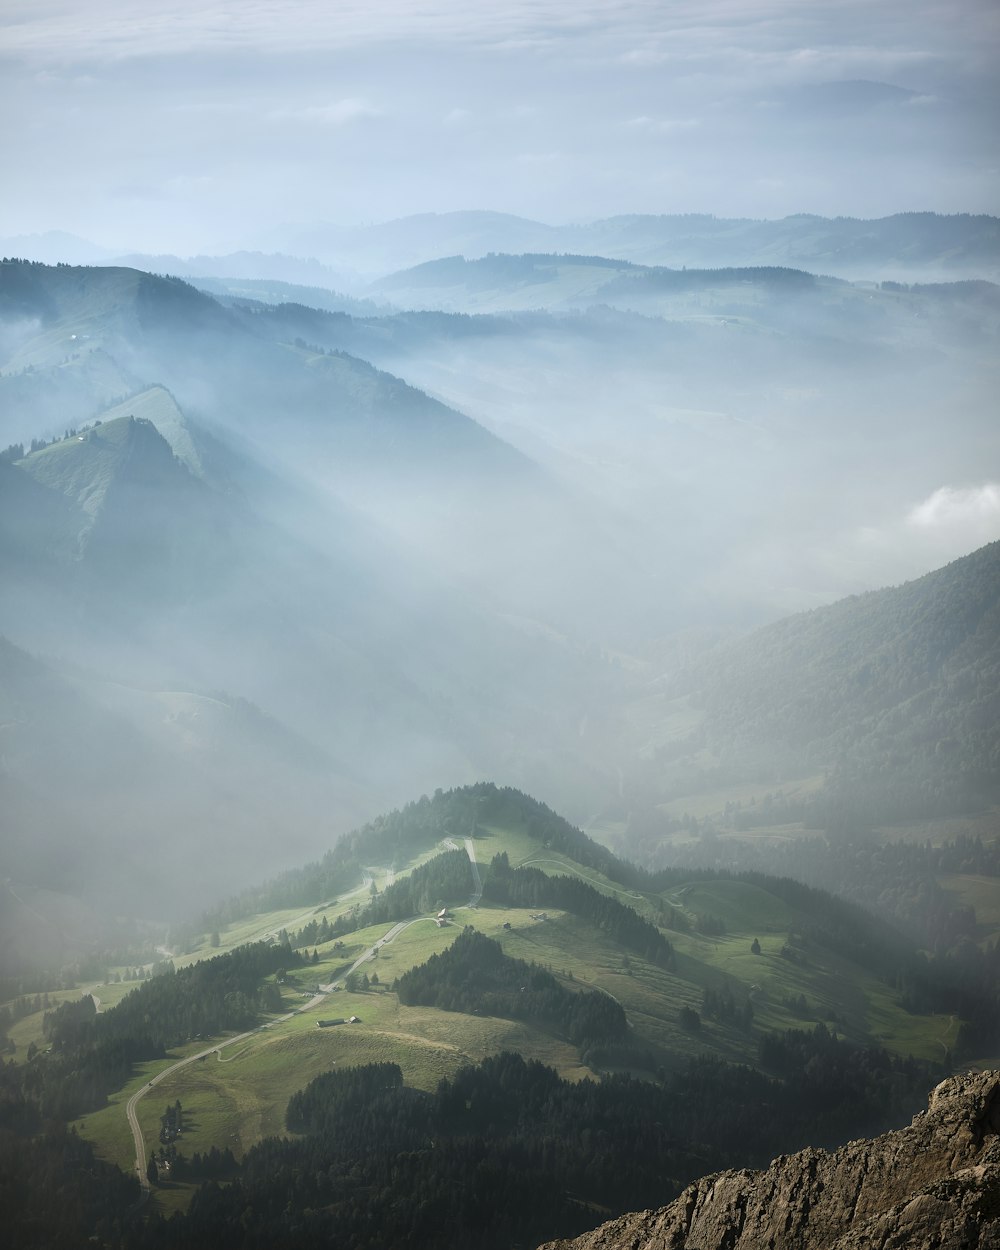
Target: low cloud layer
[196,127]
[950,522]
[970,514]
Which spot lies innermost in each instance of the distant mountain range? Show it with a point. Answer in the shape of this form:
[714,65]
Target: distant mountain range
[847,247]
[904,246]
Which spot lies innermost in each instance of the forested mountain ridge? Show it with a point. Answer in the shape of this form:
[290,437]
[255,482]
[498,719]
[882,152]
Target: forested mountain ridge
[651,916]
[894,694]
[398,835]
[76,332]
[597,973]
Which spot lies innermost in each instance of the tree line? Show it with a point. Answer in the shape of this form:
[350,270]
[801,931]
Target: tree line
[530,887]
[398,836]
[506,1153]
[91,1054]
[475,976]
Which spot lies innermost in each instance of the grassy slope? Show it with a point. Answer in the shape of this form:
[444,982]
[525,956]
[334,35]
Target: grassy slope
[239,1096]
[82,467]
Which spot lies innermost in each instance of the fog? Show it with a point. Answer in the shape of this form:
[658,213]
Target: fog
[286,551]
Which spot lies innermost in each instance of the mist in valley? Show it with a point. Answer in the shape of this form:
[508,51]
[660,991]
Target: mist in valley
[499,619]
[378,428]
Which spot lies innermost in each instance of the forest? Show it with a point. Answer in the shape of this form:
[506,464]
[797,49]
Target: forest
[508,1154]
[90,1055]
[530,887]
[474,975]
[397,835]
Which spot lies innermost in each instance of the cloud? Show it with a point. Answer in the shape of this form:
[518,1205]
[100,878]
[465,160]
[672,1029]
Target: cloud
[972,510]
[662,125]
[617,86]
[51,30]
[638,31]
[339,113]
[950,522]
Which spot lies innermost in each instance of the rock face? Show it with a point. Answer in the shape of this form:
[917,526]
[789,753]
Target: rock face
[932,1186]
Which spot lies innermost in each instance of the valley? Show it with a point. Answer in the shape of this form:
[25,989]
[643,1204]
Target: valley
[635,542]
[500,625]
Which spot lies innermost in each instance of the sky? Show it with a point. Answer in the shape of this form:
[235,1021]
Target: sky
[206,125]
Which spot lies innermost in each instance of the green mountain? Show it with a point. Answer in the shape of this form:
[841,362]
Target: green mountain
[886,702]
[73,321]
[449,979]
[86,342]
[139,511]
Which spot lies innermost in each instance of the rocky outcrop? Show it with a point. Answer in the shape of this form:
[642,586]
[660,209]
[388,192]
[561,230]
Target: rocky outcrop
[932,1186]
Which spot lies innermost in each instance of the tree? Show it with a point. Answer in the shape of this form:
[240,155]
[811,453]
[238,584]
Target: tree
[152,1173]
[689,1019]
[755,947]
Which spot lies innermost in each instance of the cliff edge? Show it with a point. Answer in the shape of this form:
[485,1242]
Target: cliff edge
[932,1186]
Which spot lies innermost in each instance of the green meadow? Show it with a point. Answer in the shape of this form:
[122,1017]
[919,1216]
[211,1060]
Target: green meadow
[237,1095]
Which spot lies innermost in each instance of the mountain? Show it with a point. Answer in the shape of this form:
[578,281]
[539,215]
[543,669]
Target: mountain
[272,291]
[742,427]
[894,692]
[180,602]
[379,248]
[912,246]
[54,247]
[936,1183]
[297,553]
[502,282]
[264,516]
[109,792]
[71,330]
[904,246]
[563,282]
[238,266]
[139,511]
[458,971]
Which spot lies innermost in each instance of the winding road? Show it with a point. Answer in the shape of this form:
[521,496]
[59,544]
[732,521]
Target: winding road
[217,1047]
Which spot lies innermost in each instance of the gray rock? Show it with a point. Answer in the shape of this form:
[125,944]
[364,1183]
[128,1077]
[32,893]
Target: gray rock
[932,1186]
